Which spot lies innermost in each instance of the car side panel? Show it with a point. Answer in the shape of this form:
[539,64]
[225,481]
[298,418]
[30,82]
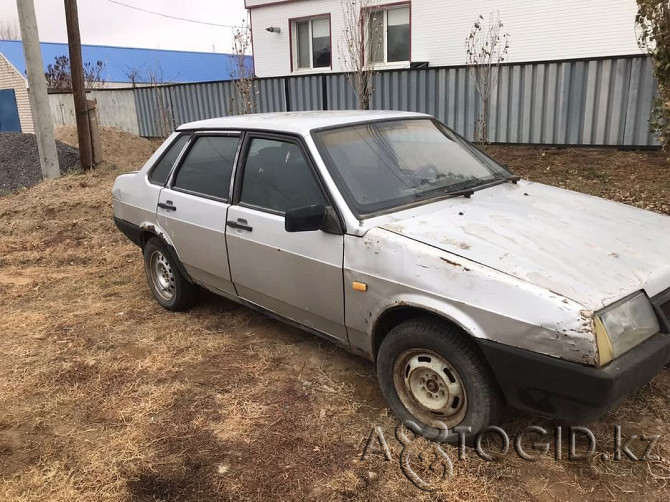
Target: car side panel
[197,229]
[134,200]
[296,275]
[487,304]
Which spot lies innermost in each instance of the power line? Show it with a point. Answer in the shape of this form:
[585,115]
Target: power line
[173,17]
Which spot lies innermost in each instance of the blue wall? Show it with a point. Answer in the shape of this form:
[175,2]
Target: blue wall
[175,66]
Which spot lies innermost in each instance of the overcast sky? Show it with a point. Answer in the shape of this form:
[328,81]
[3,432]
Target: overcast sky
[105,22]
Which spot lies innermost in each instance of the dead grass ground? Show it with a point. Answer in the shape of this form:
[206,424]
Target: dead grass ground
[106,396]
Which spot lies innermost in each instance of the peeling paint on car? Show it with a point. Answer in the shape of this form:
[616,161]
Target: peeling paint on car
[577,246]
[484,302]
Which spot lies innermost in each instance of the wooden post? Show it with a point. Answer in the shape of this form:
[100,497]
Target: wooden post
[96,145]
[37,90]
[78,89]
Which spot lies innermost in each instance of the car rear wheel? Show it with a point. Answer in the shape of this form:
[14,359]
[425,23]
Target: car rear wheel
[434,378]
[168,285]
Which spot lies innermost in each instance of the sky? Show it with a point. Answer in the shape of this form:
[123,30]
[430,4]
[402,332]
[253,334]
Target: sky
[104,22]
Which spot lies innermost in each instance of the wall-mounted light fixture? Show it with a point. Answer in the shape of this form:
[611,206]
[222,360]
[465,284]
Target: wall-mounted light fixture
[273,29]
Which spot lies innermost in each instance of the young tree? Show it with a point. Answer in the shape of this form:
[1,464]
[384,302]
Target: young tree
[358,33]
[653,36]
[59,78]
[9,31]
[241,72]
[152,76]
[485,48]
[157,81]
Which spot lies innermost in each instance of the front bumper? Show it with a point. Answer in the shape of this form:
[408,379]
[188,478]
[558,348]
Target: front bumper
[569,391]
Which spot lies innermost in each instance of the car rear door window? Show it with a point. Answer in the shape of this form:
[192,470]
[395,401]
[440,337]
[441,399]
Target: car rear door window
[278,178]
[208,167]
[161,170]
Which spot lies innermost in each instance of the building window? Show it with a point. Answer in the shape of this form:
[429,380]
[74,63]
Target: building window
[312,43]
[389,35]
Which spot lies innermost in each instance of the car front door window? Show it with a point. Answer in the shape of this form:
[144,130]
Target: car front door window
[278,178]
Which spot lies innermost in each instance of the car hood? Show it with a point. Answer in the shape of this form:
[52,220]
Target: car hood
[584,248]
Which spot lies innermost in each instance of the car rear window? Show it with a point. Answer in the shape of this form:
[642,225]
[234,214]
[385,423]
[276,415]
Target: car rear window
[208,166]
[161,170]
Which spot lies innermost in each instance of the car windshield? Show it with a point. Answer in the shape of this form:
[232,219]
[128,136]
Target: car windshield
[380,166]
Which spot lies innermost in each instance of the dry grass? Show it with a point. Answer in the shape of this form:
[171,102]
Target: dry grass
[639,178]
[104,395]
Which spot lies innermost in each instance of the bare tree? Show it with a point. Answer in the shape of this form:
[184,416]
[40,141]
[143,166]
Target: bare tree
[485,48]
[9,31]
[152,76]
[59,78]
[358,32]
[242,72]
[157,80]
[133,74]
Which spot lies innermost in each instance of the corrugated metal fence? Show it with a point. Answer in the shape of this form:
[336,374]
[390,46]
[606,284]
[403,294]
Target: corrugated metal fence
[581,102]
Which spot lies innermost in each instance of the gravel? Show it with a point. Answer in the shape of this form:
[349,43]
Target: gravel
[20,161]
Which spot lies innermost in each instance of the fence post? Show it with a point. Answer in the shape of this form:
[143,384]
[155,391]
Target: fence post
[324,92]
[287,95]
[96,144]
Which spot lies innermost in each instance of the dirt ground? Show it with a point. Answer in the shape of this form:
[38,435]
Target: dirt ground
[106,396]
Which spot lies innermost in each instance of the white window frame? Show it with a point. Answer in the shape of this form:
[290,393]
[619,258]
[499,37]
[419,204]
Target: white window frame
[385,11]
[294,42]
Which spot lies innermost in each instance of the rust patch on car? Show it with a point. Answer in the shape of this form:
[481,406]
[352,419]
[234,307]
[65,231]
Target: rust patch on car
[152,228]
[454,264]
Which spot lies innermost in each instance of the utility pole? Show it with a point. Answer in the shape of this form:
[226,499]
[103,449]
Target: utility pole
[78,89]
[37,90]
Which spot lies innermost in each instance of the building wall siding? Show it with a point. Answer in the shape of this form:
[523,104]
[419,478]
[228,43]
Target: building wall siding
[11,79]
[539,30]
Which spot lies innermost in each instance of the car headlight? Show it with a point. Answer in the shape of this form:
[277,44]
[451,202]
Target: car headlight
[623,325]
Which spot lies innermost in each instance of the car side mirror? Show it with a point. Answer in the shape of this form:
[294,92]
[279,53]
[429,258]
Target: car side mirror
[305,219]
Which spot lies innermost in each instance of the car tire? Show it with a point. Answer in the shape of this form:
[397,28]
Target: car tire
[167,283]
[434,378]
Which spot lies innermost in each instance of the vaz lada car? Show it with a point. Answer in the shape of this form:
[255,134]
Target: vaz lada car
[392,236]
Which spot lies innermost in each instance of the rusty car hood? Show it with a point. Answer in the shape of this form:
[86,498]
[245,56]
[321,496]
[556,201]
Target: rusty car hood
[584,248]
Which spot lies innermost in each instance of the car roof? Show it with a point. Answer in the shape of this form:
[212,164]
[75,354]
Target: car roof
[297,122]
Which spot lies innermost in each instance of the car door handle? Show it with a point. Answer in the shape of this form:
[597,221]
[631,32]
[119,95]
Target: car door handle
[167,206]
[241,224]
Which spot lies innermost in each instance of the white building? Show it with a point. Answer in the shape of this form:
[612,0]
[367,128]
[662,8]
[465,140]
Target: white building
[310,32]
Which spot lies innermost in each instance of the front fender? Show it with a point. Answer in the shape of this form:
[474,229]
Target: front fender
[485,303]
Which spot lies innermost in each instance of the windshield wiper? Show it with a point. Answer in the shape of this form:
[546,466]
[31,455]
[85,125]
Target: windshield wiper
[468,190]
[465,192]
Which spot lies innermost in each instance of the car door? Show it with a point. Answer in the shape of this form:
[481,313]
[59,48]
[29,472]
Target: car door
[297,275]
[192,208]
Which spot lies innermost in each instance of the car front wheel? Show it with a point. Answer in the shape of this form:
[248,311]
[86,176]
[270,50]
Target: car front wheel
[168,285]
[434,379]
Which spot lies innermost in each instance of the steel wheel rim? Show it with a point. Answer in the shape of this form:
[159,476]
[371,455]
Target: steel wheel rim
[430,388]
[162,276]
